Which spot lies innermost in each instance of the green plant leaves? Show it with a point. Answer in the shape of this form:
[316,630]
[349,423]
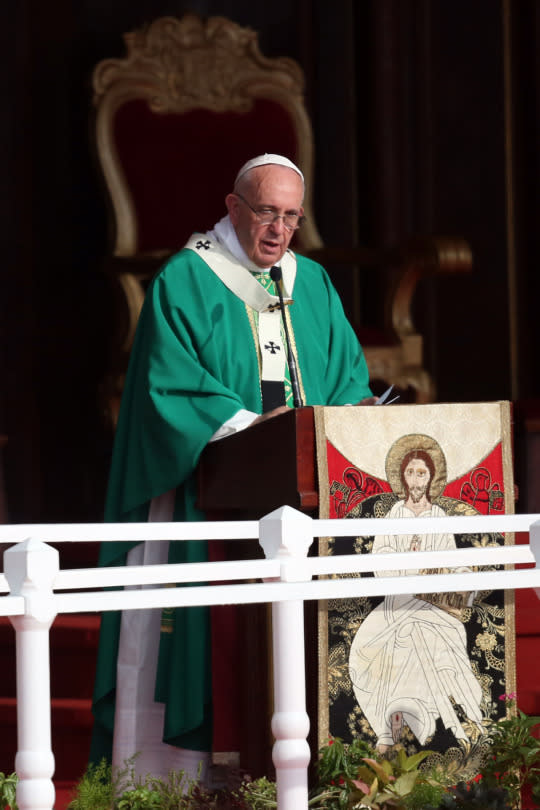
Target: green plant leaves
[8,790]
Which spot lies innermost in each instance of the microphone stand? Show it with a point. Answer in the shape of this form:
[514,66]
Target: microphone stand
[276,276]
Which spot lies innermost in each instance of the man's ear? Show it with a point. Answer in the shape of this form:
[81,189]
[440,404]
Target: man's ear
[233,204]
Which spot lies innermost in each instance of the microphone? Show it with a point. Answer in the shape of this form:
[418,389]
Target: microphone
[276,275]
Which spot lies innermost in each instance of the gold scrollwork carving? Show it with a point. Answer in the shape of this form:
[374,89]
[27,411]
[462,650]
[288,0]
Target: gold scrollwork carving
[182,64]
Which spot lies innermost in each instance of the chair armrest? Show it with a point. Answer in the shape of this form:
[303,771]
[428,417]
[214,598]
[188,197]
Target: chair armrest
[410,262]
[418,259]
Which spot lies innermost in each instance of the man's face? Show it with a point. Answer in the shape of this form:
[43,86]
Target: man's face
[266,188]
[417,478]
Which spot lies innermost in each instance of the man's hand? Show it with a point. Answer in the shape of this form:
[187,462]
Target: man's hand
[368,401]
[270,414]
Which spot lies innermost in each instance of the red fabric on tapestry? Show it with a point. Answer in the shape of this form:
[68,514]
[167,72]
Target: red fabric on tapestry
[483,486]
[180,166]
[360,485]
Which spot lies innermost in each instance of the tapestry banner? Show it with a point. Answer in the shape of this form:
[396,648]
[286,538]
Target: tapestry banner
[424,671]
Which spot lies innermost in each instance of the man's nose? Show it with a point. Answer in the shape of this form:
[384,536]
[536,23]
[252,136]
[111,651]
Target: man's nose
[278,225]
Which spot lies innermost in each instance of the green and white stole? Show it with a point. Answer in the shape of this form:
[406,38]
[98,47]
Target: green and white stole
[258,292]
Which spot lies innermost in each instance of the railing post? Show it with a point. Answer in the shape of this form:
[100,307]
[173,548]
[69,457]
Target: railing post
[30,568]
[287,534]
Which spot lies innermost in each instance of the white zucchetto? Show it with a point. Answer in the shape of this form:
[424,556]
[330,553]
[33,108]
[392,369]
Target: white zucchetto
[268,160]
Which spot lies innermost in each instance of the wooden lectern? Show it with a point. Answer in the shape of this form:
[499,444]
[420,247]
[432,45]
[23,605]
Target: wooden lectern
[252,472]
[244,477]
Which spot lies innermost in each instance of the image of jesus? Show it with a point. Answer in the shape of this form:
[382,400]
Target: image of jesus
[408,662]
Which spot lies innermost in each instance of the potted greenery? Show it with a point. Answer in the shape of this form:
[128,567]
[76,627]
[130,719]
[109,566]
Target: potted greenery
[349,777]
[514,761]
[101,789]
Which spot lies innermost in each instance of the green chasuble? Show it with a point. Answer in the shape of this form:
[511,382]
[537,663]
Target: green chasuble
[194,364]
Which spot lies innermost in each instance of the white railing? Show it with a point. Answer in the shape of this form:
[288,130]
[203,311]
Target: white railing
[36,586]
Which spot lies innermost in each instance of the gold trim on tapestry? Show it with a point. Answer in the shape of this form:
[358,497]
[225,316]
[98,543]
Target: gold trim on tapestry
[509,540]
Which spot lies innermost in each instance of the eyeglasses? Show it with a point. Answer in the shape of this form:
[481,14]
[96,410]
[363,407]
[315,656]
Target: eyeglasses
[266,216]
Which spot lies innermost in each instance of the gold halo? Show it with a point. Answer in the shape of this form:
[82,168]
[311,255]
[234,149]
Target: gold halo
[400,448]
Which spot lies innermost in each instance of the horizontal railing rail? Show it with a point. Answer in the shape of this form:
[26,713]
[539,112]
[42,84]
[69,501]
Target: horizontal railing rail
[249,529]
[37,590]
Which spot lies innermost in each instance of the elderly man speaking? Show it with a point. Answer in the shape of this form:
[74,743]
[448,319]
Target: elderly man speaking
[209,358]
